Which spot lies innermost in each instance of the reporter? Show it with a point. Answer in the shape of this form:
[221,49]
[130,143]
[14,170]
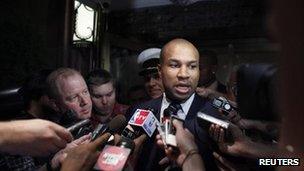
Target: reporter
[34,137]
[188,156]
[84,156]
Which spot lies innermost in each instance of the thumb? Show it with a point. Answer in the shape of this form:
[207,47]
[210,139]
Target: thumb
[177,124]
[82,139]
[61,158]
[101,141]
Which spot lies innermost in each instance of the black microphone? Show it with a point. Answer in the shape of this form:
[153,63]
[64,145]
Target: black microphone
[142,122]
[116,125]
[78,125]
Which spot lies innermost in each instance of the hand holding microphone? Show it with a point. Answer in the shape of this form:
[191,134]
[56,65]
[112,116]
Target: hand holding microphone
[84,156]
[240,144]
[33,137]
[237,143]
[141,125]
[87,151]
[116,125]
[61,155]
[185,143]
[188,156]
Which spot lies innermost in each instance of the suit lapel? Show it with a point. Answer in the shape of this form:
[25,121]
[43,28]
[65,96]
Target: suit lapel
[155,105]
[197,104]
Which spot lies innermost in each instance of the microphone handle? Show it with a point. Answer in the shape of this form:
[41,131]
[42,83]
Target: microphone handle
[78,125]
[99,130]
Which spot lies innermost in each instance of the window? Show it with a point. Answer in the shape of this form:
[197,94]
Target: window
[84,23]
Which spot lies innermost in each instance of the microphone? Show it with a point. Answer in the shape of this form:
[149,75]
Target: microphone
[78,125]
[205,121]
[114,158]
[143,121]
[165,129]
[116,125]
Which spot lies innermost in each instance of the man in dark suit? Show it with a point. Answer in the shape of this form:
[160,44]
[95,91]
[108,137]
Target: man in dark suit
[179,71]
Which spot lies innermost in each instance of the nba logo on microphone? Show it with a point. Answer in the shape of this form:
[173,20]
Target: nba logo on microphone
[141,117]
[145,120]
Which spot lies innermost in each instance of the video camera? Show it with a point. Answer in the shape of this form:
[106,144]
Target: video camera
[222,103]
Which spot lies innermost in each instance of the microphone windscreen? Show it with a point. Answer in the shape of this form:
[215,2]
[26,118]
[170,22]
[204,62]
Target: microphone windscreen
[117,124]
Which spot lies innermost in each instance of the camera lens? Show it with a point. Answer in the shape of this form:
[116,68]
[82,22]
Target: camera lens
[227,107]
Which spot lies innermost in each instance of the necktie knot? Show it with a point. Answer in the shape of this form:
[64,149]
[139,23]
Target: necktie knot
[172,109]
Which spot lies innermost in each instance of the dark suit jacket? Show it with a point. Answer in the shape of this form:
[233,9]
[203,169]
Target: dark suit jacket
[151,154]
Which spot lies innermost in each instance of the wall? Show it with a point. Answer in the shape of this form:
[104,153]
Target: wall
[31,36]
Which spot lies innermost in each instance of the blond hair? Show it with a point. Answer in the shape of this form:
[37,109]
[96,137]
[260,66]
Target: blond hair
[54,78]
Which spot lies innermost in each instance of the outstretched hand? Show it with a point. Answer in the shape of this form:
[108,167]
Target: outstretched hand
[238,140]
[84,156]
[185,143]
[35,137]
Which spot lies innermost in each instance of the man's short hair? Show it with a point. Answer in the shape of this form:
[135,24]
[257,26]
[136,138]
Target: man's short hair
[99,77]
[55,76]
[176,42]
[35,86]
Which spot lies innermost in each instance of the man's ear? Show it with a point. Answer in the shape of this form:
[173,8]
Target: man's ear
[53,104]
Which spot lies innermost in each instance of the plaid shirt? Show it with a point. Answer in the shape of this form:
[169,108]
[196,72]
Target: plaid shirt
[16,162]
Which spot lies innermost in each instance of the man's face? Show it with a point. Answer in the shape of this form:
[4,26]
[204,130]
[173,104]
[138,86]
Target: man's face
[103,98]
[74,95]
[153,85]
[180,71]
[206,74]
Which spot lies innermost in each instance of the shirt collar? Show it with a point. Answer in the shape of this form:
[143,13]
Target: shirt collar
[186,105]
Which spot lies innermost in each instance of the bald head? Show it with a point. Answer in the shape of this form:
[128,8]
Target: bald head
[175,44]
[179,69]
